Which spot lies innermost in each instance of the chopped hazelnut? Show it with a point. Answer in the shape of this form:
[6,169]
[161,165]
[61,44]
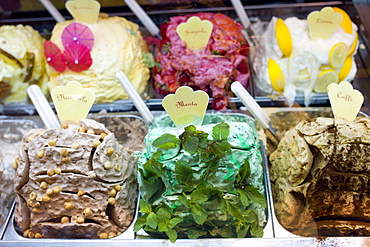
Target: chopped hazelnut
[64,152]
[92,174]
[30,139]
[25,233]
[43,185]
[35,210]
[65,160]
[74,219]
[111,201]
[15,165]
[90,131]
[103,235]
[112,235]
[68,205]
[45,198]
[39,198]
[33,195]
[49,192]
[52,142]
[87,212]
[75,145]
[117,167]
[96,143]
[41,154]
[64,126]
[109,151]
[112,193]
[103,135]
[51,172]
[81,129]
[116,156]
[117,187]
[107,165]
[80,219]
[64,220]
[80,192]
[31,234]
[58,170]
[56,189]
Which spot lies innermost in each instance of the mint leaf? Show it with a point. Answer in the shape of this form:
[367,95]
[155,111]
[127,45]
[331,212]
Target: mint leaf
[234,211]
[167,141]
[200,195]
[243,198]
[190,144]
[163,226]
[172,235]
[226,232]
[184,174]
[147,179]
[152,220]
[250,216]
[174,221]
[140,223]
[255,196]
[163,214]
[198,213]
[144,207]
[221,131]
[244,172]
[193,141]
[242,231]
[256,231]
[193,234]
[220,147]
[154,166]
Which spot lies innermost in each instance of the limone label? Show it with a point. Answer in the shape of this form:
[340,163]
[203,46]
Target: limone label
[353,46]
[346,23]
[338,54]
[276,75]
[324,79]
[283,37]
[344,71]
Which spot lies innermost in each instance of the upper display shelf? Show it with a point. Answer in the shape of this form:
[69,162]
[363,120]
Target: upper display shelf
[33,13]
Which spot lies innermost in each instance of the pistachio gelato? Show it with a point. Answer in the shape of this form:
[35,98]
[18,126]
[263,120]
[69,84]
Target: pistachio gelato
[22,62]
[320,178]
[74,182]
[118,46]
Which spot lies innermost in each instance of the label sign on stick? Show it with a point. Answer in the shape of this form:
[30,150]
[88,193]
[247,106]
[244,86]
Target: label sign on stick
[72,102]
[86,11]
[186,107]
[345,101]
[195,32]
[322,24]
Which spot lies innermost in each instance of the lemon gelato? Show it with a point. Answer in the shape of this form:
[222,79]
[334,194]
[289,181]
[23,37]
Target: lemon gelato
[21,62]
[118,46]
[289,60]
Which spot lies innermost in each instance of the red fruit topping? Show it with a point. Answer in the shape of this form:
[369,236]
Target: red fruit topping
[219,103]
[243,67]
[244,49]
[164,46]
[163,29]
[183,78]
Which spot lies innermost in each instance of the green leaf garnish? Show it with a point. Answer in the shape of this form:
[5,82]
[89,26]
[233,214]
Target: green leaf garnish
[221,131]
[255,196]
[152,220]
[166,141]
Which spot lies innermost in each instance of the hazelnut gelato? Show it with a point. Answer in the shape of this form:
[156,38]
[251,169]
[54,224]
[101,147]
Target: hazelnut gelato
[74,182]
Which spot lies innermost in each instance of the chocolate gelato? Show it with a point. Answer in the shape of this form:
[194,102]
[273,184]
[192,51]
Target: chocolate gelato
[74,182]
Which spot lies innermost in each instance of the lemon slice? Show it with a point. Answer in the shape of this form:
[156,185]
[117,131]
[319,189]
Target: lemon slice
[276,75]
[338,54]
[283,37]
[353,46]
[344,71]
[346,23]
[324,79]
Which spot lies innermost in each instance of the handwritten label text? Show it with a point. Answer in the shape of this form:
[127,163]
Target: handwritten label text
[181,104]
[61,97]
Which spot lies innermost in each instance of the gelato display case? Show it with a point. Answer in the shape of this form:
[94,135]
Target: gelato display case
[122,117]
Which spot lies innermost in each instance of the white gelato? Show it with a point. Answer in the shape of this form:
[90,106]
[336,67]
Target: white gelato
[308,59]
